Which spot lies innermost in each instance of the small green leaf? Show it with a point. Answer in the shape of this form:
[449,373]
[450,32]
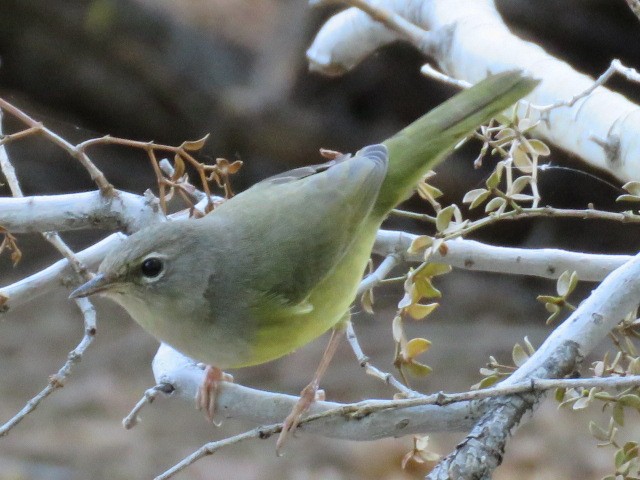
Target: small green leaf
[425,289]
[530,349]
[552,308]
[418,369]
[598,432]
[519,184]
[632,187]
[494,204]
[416,346]
[521,197]
[367,301]
[619,459]
[549,299]
[563,283]
[634,366]
[444,218]
[519,355]
[559,394]
[581,403]
[428,192]
[506,133]
[630,400]
[631,449]
[486,382]
[476,197]
[494,179]
[524,124]
[418,311]
[539,147]
[419,243]
[397,329]
[628,198]
[406,300]
[433,269]
[617,414]
[521,159]
[471,195]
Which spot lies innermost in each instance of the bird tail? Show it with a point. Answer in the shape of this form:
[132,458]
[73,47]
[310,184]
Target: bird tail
[422,145]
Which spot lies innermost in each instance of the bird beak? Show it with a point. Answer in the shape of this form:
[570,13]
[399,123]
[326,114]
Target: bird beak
[97,284]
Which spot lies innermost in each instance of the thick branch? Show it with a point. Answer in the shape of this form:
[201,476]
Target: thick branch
[601,128]
[559,355]
[477,256]
[122,211]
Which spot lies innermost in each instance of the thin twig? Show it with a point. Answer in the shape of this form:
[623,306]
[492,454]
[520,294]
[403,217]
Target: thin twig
[213,447]
[34,126]
[131,420]
[86,307]
[365,408]
[57,380]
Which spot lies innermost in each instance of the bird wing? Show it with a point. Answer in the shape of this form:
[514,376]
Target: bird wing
[295,228]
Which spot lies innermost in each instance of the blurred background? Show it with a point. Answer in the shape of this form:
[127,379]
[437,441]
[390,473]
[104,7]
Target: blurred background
[171,71]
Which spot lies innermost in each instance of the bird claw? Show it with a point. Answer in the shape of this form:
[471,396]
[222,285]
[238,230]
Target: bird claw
[309,394]
[208,392]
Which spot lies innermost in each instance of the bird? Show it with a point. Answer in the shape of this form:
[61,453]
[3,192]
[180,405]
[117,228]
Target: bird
[278,265]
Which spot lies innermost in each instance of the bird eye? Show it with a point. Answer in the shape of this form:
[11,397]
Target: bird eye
[151,267]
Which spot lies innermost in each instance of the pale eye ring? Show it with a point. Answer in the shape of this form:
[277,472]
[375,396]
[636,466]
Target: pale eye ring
[151,267]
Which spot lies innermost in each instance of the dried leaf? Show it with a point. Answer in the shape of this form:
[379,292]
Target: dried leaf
[178,168]
[195,145]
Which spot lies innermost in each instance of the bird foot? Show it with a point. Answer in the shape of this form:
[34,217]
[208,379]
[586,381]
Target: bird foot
[309,394]
[208,392]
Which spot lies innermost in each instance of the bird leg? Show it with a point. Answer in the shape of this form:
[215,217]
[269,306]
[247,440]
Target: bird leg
[310,393]
[208,391]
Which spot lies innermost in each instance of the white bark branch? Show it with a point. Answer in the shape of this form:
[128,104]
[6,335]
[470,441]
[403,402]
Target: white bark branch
[235,401]
[477,256]
[602,128]
[560,355]
[52,277]
[75,211]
